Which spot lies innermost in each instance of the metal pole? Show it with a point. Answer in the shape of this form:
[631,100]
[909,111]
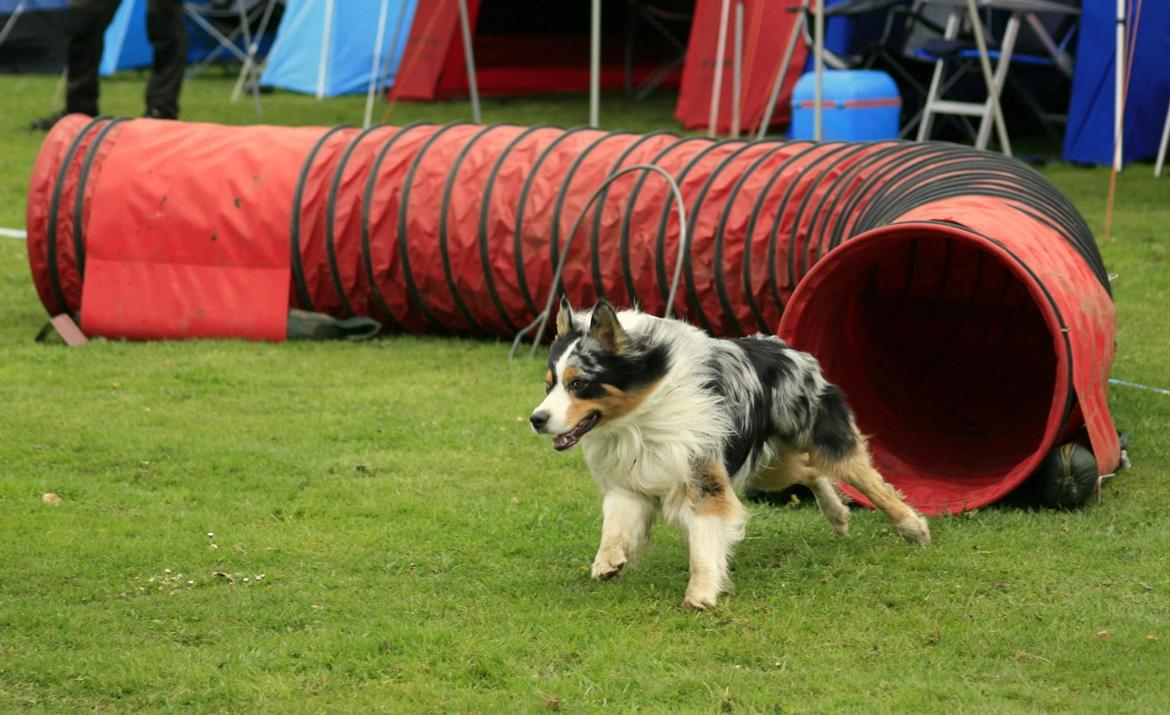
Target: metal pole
[16,13]
[1006,47]
[469,56]
[595,63]
[251,66]
[384,77]
[252,49]
[717,83]
[737,71]
[1162,145]
[375,62]
[797,28]
[819,68]
[1119,87]
[326,38]
[984,62]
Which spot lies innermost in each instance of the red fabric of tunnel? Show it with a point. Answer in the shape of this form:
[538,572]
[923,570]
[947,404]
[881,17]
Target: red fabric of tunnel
[955,295]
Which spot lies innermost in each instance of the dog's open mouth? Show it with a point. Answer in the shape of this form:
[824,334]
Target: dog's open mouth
[566,440]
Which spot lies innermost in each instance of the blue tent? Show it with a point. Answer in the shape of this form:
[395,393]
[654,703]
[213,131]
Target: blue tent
[321,49]
[1089,135]
[126,46]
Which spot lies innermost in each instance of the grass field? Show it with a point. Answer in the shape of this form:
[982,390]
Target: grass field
[371,527]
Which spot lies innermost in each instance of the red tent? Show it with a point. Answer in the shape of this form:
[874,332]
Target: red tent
[767,27]
[520,48]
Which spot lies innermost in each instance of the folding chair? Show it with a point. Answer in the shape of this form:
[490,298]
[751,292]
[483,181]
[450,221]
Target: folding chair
[228,22]
[878,54]
[951,49]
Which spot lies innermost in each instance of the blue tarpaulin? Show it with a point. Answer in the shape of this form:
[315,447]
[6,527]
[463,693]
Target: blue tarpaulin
[1089,136]
[126,46]
[327,47]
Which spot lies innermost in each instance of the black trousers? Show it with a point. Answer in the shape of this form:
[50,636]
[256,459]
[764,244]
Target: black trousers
[88,20]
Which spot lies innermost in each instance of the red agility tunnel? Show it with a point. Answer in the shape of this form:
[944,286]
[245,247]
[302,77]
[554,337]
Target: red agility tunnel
[956,296]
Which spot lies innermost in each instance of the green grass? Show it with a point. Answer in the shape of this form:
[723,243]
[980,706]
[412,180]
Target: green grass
[422,552]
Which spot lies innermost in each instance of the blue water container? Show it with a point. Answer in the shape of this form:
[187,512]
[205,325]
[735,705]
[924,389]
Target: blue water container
[859,105]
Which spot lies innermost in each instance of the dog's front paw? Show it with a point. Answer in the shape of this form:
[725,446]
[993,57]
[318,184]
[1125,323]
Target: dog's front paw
[701,594]
[700,600]
[608,564]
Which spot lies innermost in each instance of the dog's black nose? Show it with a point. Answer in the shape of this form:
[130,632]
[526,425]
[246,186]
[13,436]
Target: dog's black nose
[538,420]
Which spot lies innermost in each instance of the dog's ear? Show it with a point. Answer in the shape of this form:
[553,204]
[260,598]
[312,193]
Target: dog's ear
[564,317]
[606,329]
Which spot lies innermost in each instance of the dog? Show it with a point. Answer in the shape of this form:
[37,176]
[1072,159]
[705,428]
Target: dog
[672,420]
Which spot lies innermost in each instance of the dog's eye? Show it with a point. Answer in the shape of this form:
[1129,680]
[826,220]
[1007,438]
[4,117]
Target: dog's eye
[577,385]
[548,386]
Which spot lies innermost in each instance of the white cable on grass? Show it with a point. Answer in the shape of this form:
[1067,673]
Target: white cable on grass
[14,233]
[1138,386]
[683,246]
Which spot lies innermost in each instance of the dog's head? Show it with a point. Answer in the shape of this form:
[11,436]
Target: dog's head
[597,373]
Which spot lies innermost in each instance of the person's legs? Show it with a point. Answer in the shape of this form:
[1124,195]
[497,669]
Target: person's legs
[87,22]
[168,35]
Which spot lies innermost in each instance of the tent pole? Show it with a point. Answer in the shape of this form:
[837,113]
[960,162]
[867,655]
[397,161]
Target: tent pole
[595,63]
[375,62]
[384,77]
[1118,85]
[326,38]
[16,13]
[819,67]
[717,81]
[469,56]
[797,26]
[1162,146]
[737,71]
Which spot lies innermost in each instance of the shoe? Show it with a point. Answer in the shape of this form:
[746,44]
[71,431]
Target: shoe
[44,124]
[155,113]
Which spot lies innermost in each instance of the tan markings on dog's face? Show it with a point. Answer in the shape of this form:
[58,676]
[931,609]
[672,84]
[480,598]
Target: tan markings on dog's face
[613,404]
[710,490]
[548,379]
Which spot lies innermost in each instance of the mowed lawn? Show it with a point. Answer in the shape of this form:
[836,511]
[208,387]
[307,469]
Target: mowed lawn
[252,527]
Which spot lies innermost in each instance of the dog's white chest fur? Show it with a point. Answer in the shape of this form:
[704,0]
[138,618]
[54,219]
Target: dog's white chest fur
[653,450]
[627,459]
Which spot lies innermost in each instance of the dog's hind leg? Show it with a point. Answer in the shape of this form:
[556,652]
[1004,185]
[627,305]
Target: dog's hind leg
[713,520]
[796,468]
[837,450]
[856,469]
[627,518]
[830,503]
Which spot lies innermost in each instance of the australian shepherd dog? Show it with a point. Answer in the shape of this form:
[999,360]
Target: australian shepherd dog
[672,420]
